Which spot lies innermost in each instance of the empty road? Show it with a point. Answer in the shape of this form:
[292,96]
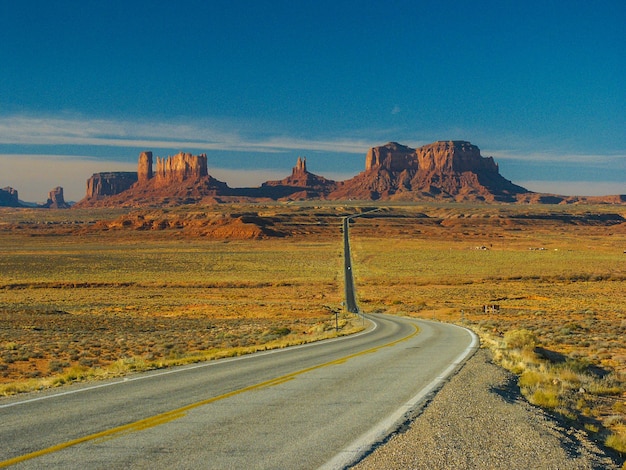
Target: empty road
[300,407]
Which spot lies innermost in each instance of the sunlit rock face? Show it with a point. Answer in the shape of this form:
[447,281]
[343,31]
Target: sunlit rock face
[56,199]
[101,185]
[441,170]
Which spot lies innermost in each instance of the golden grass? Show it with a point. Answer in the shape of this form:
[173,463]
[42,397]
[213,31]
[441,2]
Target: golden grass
[75,308]
[617,441]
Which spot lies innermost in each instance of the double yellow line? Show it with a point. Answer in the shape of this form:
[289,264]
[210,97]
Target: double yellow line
[172,415]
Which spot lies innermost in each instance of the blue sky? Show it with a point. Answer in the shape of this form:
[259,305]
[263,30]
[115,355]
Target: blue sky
[86,85]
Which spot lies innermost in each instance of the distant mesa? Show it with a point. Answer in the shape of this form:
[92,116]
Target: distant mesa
[56,199]
[101,185]
[9,197]
[444,170]
[172,180]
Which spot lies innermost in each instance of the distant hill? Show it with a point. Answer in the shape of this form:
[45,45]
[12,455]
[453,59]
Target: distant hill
[443,170]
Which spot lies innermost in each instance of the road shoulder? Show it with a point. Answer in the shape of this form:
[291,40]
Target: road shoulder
[480,420]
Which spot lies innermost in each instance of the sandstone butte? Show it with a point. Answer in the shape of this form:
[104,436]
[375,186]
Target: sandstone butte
[56,199]
[443,170]
[9,198]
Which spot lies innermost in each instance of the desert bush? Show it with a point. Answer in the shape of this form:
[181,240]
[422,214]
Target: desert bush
[614,420]
[57,366]
[545,398]
[531,379]
[606,386]
[617,441]
[520,339]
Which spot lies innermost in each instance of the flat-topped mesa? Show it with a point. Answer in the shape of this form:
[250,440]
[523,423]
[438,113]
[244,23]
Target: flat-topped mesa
[451,169]
[110,183]
[179,168]
[392,156]
[9,197]
[453,156]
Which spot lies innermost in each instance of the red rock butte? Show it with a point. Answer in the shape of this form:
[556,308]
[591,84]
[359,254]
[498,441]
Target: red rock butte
[444,170]
[441,170]
[174,169]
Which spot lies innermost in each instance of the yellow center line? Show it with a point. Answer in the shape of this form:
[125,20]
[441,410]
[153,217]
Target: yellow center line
[172,415]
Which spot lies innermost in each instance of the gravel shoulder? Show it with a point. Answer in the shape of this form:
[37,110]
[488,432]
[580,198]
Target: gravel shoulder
[480,420]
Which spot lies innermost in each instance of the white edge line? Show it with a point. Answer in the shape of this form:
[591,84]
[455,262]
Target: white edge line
[355,451]
[178,369]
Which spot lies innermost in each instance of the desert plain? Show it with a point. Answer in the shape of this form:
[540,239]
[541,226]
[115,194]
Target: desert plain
[96,293]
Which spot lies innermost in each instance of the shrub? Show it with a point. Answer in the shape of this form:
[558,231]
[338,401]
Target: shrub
[57,366]
[520,339]
[545,398]
[531,379]
[617,441]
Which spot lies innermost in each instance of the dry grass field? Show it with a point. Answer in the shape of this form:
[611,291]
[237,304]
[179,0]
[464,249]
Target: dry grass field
[102,292]
[78,303]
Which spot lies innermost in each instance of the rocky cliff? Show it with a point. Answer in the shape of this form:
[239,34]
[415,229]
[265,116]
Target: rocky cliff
[56,199]
[391,157]
[301,184]
[179,168]
[144,168]
[179,179]
[101,185]
[441,170]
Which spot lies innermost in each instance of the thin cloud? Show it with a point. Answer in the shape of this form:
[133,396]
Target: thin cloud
[555,157]
[21,130]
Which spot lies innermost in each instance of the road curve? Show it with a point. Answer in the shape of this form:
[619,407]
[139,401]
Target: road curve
[321,405]
[302,407]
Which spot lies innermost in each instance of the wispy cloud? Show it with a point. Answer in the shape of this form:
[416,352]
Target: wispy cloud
[224,135]
[614,160]
[24,130]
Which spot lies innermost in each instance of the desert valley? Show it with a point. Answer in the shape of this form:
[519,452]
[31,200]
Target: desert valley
[170,266]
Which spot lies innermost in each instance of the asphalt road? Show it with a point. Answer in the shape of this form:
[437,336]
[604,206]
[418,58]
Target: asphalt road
[295,408]
[350,295]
